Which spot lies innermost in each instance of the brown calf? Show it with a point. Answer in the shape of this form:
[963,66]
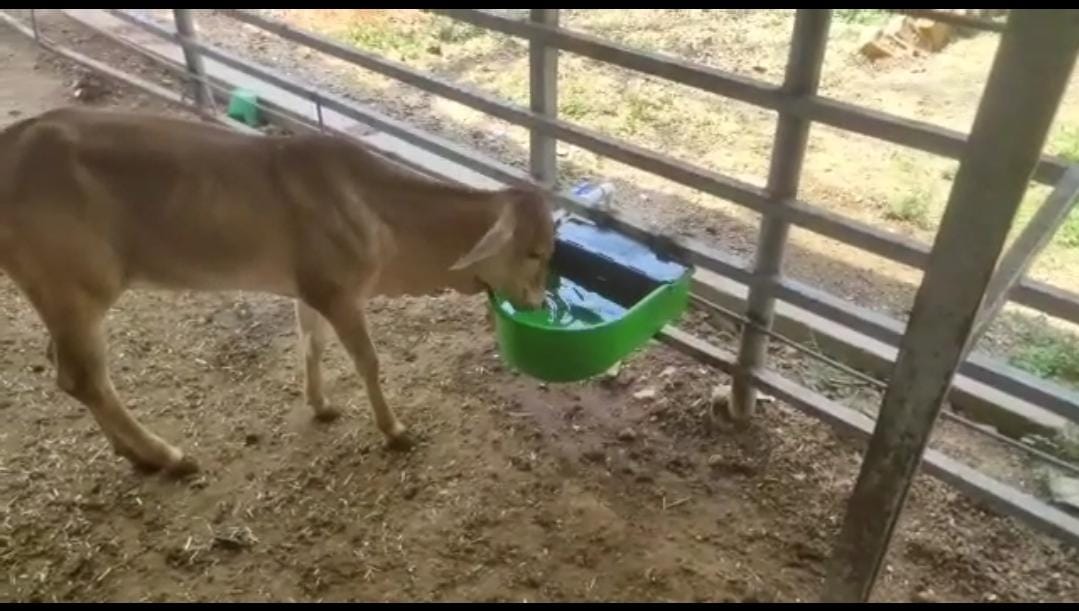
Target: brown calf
[94,203]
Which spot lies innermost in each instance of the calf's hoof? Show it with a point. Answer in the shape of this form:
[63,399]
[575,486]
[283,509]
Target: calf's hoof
[399,439]
[326,413]
[175,464]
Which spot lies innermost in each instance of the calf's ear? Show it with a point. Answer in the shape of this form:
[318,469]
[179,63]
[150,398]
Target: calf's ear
[494,240]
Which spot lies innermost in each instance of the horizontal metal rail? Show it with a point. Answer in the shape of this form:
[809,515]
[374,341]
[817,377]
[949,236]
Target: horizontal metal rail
[1051,300]
[1051,397]
[964,478]
[914,134]
[873,382]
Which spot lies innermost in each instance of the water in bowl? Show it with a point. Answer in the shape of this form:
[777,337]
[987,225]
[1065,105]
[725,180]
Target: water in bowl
[569,305]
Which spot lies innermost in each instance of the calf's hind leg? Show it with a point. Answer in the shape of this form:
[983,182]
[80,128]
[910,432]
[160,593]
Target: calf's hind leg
[313,330]
[75,321]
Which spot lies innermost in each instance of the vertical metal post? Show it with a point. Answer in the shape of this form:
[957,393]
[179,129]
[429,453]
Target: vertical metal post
[33,25]
[1030,72]
[317,99]
[808,44]
[185,27]
[543,89]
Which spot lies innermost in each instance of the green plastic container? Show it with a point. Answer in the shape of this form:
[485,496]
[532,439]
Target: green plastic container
[244,106]
[531,344]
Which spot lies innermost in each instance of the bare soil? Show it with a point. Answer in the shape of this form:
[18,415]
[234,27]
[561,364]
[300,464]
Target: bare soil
[516,492]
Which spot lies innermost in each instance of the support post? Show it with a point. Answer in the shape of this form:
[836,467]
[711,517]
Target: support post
[808,44]
[1030,72]
[543,89]
[185,27]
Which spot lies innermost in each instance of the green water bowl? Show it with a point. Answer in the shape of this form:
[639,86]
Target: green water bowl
[534,345]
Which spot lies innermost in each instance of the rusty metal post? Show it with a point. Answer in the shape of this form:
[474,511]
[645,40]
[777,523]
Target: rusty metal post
[808,44]
[543,90]
[1030,72]
[185,27]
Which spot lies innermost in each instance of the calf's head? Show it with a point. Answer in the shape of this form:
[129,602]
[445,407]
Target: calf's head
[512,258]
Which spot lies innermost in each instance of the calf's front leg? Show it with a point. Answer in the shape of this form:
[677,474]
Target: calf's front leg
[347,318]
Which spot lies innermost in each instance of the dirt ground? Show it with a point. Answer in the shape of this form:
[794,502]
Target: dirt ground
[516,492]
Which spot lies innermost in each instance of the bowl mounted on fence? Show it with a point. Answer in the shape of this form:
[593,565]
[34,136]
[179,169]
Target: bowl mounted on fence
[607,296]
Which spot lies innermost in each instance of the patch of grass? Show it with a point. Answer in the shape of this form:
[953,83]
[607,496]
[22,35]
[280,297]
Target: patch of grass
[1069,231]
[912,208]
[1049,354]
[1066,144]
[860,16]
[409,40]
[574,102]
[914,204]
[641,112]
[456,32]
[404,44]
